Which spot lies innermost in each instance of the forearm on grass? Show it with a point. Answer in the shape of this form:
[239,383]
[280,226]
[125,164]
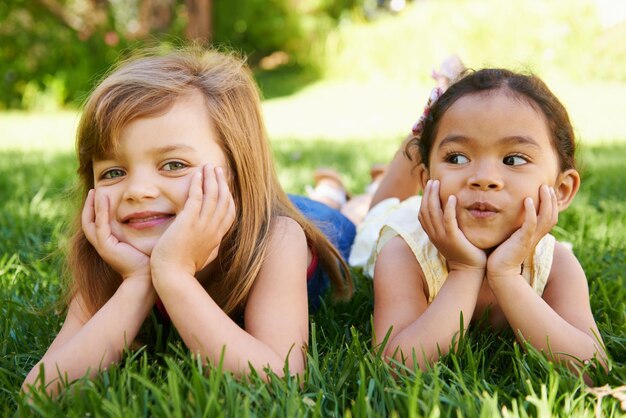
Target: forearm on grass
[434,331]
[210,333]
[534,321]
[97,343]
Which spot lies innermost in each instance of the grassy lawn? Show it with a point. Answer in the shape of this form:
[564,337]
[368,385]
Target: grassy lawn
[490,375]
[352,117]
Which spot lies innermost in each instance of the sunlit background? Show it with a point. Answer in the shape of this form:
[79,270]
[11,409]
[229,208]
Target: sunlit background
[337,70]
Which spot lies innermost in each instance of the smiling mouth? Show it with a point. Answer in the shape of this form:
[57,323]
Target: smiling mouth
[146,220]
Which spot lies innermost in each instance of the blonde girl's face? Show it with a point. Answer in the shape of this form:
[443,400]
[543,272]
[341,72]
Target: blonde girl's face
[147,181]
[491,151]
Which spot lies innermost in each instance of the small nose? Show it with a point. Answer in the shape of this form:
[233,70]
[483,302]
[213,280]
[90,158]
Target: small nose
[486,177]
[140,187]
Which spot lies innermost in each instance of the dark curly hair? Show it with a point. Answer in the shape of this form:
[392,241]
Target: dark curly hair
[526,87]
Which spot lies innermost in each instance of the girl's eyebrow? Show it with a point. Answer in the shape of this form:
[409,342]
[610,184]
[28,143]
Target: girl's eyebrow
[520,139]
[508,140]
[155,151]
[454,139]
[174,147]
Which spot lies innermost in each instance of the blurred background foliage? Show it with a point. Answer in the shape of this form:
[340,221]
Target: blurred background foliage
[53,51]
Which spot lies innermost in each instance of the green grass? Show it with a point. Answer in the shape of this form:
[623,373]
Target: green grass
[489,375]
[373,88]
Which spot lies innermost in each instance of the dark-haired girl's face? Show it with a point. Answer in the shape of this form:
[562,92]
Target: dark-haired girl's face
[491,151]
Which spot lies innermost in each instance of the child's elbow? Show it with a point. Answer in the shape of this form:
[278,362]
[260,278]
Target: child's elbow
[395,356]
[32,378]
[36,380]
[292,367]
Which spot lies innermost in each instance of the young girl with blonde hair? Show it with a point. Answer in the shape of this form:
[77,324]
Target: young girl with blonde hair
[183,209]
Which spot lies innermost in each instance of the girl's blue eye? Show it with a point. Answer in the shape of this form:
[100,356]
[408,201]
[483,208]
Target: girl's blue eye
[174,165]
[514,160]
[457,159]
[113,173]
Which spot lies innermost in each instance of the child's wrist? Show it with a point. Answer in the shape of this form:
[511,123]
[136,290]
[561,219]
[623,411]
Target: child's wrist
[502,276]
[137,278]
[140,284]
[469,274]
[161,270]
[467,268]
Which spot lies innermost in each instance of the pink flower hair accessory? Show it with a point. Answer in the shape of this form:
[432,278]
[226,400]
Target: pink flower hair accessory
[435,94]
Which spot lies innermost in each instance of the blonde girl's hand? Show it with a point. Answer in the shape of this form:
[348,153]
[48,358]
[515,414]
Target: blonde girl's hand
[506,260]
[123,258]
[443,230]
[192,241]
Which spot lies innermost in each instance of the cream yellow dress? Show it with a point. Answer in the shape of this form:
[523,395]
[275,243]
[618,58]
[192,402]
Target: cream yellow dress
[391,218]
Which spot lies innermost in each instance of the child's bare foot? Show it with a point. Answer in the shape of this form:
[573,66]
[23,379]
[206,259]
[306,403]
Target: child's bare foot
[328,189]
[377,172]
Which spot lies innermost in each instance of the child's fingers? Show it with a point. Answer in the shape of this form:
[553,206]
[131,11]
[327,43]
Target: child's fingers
[423,214]
[103,227]
[225,206]
[426,212]
[529,226]
[210,190]
[548,214]
[194,197]
[218,211]
[449,216]
[88,217]
[435,213]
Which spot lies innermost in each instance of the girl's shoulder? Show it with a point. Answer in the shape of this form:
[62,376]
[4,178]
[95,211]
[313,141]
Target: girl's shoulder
[286,232]
[284,265]
[564,259]
[284,226]
[567,291]
[566,269]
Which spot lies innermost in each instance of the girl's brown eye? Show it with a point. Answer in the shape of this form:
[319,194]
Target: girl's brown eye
[456,159]
[514,160]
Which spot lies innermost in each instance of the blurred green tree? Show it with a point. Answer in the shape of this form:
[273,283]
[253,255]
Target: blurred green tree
[52,51]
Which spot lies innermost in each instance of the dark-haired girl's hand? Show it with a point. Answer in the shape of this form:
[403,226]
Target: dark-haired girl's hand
[443,230]
[123,258]
[192,241]
[507,258]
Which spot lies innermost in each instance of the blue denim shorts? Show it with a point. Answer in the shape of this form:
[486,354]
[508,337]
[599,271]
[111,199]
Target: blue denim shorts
[338,229]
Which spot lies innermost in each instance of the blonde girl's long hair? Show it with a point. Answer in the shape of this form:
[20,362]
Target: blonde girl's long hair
[148,86]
